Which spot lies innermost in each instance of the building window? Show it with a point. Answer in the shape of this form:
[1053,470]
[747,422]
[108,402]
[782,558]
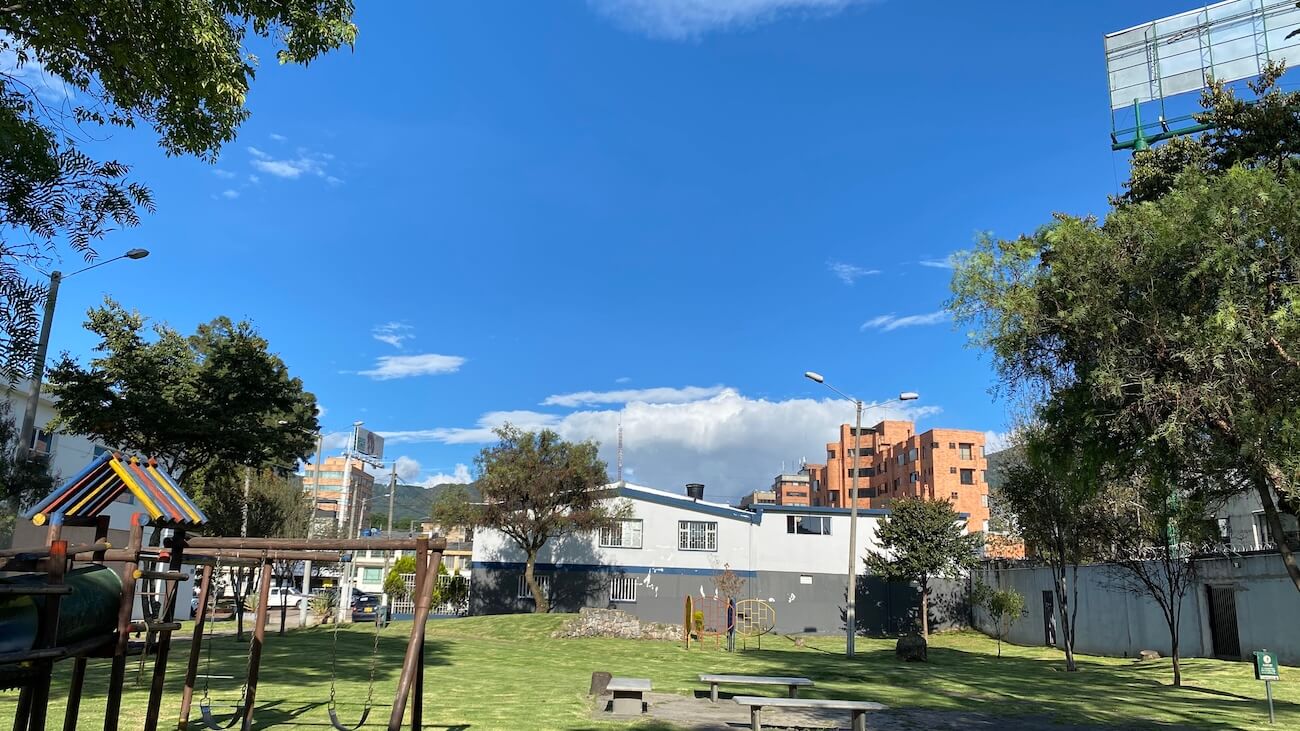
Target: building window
[952,470]
[543,582]
[966,451]
[795,493]
[371,574]
[984,501]
[830,454]
[911,454]
[808,525]
[952,445]
[622,534]
[955,496]
[623,589]
[934,445]
[895,483]
[915,477]
[902,457]
[697,535]
[968,477]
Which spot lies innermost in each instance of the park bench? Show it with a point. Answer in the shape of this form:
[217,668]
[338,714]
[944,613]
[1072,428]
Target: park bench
[715,680]
[756,704]
[628,694]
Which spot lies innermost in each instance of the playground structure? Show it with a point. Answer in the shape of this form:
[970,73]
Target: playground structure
[55,610]
[717,618]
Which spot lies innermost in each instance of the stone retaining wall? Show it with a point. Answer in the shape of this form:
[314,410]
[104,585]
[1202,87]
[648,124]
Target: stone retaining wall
[592,622]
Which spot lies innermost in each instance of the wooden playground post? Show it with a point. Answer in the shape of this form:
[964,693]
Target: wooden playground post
[164,645]
[79,663]
[196,648]
[49,635]
[118,672]
[259,637]
[414,659]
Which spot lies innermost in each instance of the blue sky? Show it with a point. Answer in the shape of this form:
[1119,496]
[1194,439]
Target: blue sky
[536,211]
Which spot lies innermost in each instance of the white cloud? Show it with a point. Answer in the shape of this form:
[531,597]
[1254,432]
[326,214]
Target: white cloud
[622,379]
[948,262]
[849,273]
[892,322]
[335,440]
[407,469]
[459,476]
[47,87]
[223,174]
[321,410]
[254,179]
[305,162]
[996,441]
[732,443]
[405,366]
[278,137]
[663,395]
[687,19]
[392,333]
[229,193]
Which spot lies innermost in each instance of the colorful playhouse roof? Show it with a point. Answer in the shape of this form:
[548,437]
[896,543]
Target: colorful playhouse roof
[103,480]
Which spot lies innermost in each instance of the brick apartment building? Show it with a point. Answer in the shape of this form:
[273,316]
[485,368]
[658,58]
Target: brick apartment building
[894,462]
[361,487]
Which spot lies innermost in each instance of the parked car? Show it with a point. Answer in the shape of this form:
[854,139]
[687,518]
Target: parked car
[286,596]
[365,607]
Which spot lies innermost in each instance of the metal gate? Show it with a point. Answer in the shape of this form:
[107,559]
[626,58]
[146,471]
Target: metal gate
[1223,622]
[1049,619]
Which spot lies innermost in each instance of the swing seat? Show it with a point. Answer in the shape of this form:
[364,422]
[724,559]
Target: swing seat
[211,722]
[334,720]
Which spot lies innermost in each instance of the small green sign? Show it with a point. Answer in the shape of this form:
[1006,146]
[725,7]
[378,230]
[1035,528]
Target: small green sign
[1266,666]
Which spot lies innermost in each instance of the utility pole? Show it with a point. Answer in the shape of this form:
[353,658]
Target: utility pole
[311,519]
[248,485]
[38,369]
[392,490]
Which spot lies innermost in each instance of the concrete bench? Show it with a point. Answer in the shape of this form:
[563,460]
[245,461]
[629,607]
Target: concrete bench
[715,680]
[756,704]
[628,694]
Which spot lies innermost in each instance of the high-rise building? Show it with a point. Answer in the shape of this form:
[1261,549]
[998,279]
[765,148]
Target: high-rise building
[793,488]
[361,487]
[895,462]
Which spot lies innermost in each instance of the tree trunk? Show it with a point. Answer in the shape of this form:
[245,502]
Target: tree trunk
[925,610]
[1275,483]
[1062,601]
[1173,646]
[540,603]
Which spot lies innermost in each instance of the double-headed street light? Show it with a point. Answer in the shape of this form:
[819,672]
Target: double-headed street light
[43,344]
[850,613]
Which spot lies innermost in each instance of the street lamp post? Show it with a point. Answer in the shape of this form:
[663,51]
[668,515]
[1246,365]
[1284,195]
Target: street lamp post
[43,345]
[850,612]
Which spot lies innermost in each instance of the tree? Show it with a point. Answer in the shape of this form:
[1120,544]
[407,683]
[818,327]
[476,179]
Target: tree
[22,483]
[1050,487]
[200,405]
[1003,605]
[923,540]
[1153,534]
[535,487]
[181,67]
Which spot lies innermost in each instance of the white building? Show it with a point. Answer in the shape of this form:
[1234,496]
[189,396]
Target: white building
[794,557]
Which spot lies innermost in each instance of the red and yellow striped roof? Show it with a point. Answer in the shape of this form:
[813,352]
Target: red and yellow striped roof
[105,479]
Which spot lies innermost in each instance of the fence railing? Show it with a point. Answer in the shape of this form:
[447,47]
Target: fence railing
[455,589]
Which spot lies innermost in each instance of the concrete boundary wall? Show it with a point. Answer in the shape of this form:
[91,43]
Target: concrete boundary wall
[1114,622]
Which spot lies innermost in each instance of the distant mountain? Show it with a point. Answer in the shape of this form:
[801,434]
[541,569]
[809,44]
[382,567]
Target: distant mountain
[411,503]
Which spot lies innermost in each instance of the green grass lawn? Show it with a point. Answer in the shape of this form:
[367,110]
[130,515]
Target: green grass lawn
[507,673]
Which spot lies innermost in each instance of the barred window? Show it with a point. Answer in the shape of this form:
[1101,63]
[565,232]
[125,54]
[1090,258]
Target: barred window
[697,535]
[543,581]
[623,588]
[622,534]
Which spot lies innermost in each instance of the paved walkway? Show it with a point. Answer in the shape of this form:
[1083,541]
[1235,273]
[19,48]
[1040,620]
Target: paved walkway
[700,714]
